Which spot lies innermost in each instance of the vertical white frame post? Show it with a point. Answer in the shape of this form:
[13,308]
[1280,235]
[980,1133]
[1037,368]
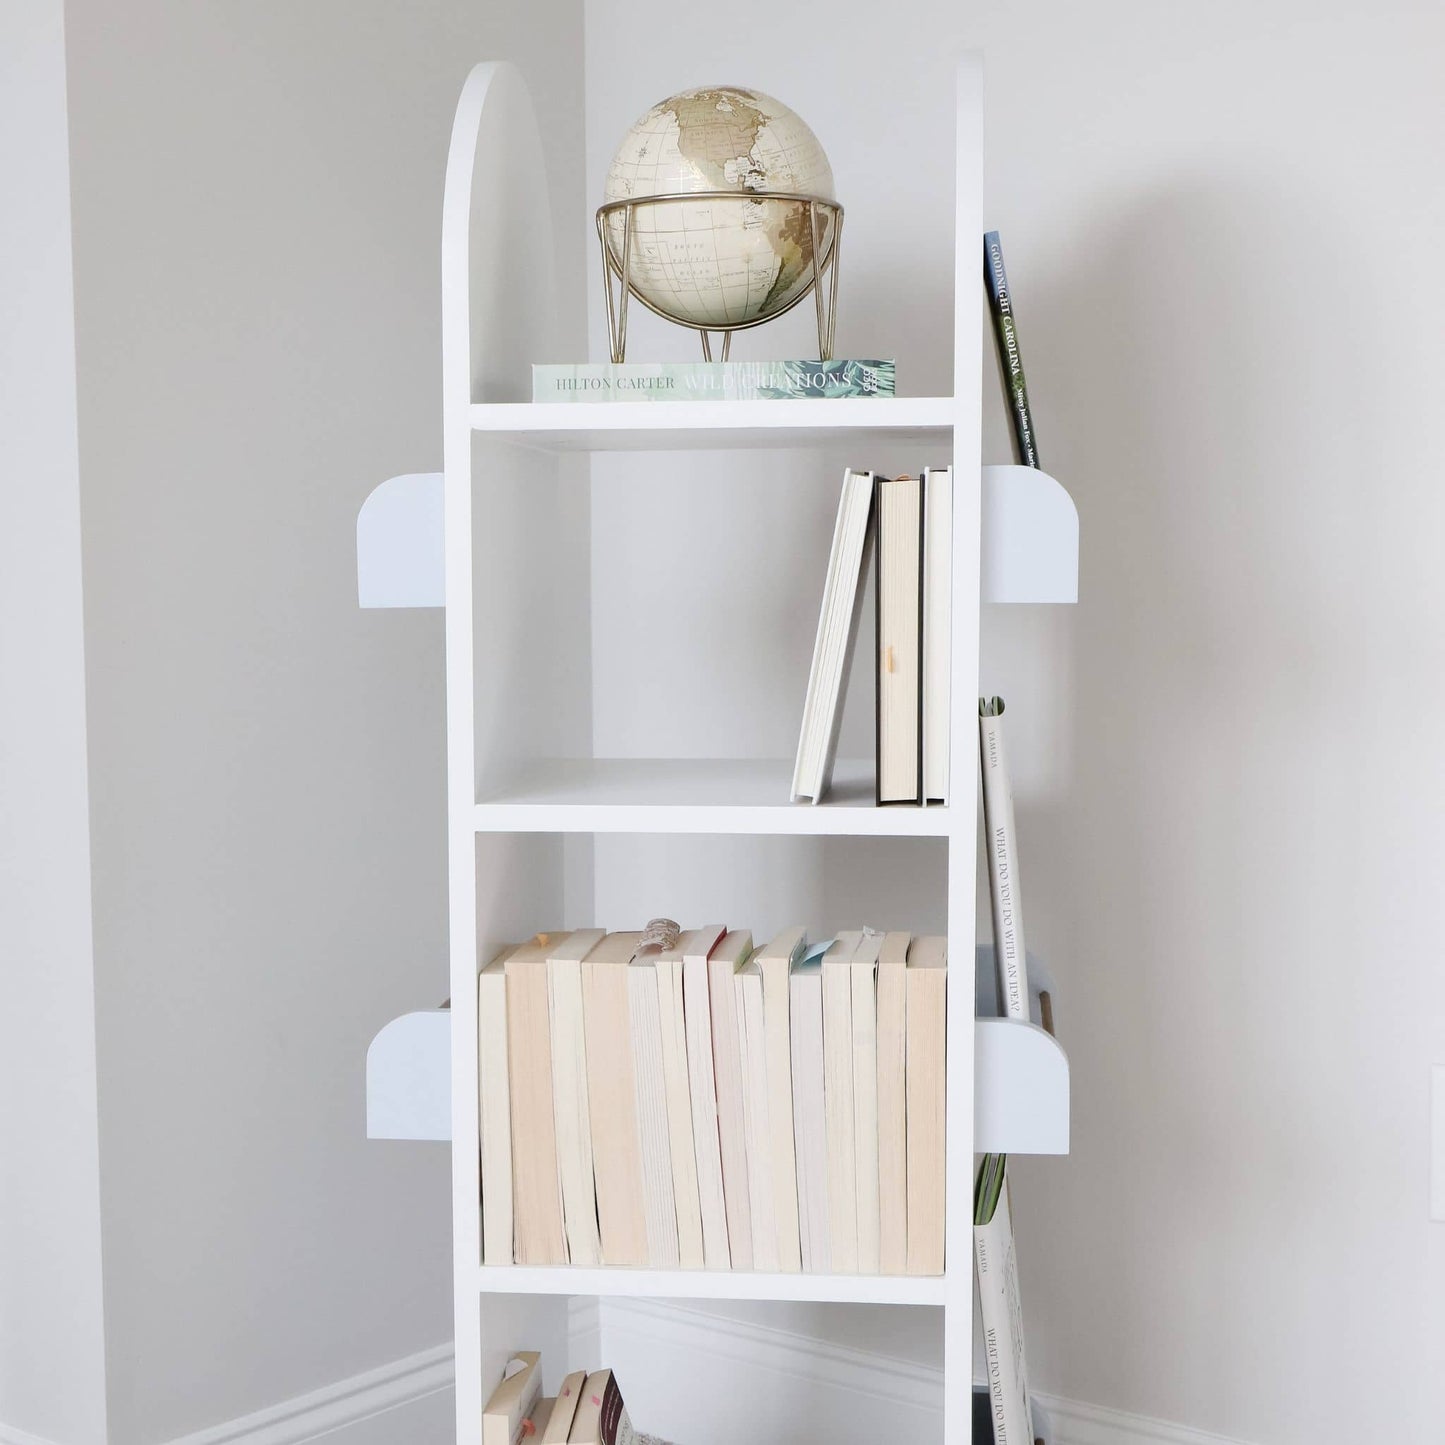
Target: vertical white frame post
[963,754]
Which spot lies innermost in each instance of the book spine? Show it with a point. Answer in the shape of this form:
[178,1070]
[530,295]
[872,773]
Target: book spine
[1001,1320]
[1016,392]
[697,1018]
[605,382]
[1003,864]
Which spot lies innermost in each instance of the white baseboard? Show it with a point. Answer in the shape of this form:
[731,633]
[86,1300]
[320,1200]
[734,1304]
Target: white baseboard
[9,1435]
[335,1407]
[652,1338]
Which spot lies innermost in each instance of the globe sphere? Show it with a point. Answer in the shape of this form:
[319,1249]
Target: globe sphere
[719,262]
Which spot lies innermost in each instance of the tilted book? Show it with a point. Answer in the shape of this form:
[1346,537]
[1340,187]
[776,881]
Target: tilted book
[1000,1310]
[1001,842]
[495,1110]
[710,380]
[702,1087]
[1015,389]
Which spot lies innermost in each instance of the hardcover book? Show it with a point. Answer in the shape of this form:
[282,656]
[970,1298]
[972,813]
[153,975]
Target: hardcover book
[710,380]
[1015,389]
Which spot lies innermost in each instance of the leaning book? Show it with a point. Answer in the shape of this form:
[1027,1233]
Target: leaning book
[711,380]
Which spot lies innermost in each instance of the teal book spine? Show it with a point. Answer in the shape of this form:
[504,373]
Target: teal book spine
[711,381]
[1015,389]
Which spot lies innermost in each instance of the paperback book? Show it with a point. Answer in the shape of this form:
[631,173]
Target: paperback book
[1015,389]
[710,380]
[1000,1308]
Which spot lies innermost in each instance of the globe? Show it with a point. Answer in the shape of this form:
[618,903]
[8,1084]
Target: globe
[719,262]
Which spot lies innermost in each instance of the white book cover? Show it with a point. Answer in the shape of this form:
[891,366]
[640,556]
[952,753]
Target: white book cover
[805,1019]
[752,1041]
[863,975]
[569,1094]
[775,961]
[702,1088]
[892,1105]
[838,620]
[1001,1320]
[1001,842]
[659,1207]
[494,1102]
[722,965]
[937,629]
[838,1103]
[668,965]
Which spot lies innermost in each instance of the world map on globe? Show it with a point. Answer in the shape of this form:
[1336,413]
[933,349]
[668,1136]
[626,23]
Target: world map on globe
[719,262]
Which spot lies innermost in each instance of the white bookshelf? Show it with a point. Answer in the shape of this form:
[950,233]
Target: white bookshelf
[519,784]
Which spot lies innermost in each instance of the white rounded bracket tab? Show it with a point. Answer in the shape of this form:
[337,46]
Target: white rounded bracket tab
[400,544]
[1030,543]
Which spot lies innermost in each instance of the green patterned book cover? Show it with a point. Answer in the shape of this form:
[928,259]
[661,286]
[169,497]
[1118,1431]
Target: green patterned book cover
[711,380]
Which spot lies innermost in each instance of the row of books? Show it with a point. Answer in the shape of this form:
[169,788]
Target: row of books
[683,1100]
[587,1409]
[905,524]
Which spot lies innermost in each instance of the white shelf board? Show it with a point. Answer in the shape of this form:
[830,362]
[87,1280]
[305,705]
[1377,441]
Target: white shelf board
[693,795]
[711,1284]
[715,425]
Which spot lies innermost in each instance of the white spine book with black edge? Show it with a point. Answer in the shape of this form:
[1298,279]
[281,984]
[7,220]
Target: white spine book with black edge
[1001,843]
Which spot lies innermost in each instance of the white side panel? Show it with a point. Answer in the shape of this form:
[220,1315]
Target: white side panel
[400,544]
[1030,537]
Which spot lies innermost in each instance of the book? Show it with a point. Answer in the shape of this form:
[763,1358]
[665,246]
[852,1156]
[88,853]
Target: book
[494,1109]
[898,505]
[677,1094]
[752,1050]
[564,1410]
[514,1399]
[702,1090]
[650,1084]
[602,1417]
[612,1101]
[892,1105]
[710,380]
[838,618]
[1001,844]
[775,962]
[838,1103]
[536,1187]
[722,964]
[1015,389]
[569,1094]
[805,1023]
[937,629]
[925,1085]
[862,975]
[1000,1306]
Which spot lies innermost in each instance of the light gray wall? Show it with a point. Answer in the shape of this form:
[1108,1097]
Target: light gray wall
[257,209]
[52,1360]
[1223,227]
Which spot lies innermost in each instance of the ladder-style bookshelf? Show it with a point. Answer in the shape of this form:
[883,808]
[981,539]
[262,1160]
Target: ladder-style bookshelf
[521,782]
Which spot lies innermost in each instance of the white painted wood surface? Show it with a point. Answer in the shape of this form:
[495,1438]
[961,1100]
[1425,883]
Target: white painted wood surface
[408,1078]
[400,544]
[1030,537]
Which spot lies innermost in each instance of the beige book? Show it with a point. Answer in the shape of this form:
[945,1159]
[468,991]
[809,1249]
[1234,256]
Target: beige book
[838,1103]
[564,1410]
[899,629]
[587,1423]
[569,1094]
[612,1101]
[752,1048]
[775,961]
[702,1089]
[659,1204]
[513,1400]
[678,1098]
[722,964]
[810,1135]
[863,976]
[494,1111]
[892,1105]
[536,1186]
[926,1078]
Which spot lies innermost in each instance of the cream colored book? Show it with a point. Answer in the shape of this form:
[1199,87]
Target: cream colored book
[722,964]
[612,1101]
[863,976]
[702,1089]
[1001,841]
[513,1400]
[937,629]
[892,1105]
[838,1103]
[810,1132]
[564,1410]
[678,1098]
[495,1111]
[1001,1322]
[775,961]
[536,1184]
[927,985]
[569,1093]
[752,1049]
[649,1079]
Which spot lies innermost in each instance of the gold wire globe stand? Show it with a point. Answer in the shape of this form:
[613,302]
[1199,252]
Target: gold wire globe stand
[618,286]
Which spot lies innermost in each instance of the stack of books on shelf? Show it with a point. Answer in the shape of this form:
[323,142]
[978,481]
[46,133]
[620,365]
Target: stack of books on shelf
[587,1409]
[683,1100]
